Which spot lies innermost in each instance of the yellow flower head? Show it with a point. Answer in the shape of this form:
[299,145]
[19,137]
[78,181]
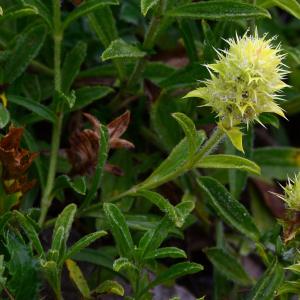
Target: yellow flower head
[245,82]
[291,194]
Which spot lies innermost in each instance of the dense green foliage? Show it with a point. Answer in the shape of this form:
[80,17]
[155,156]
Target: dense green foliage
[175,200]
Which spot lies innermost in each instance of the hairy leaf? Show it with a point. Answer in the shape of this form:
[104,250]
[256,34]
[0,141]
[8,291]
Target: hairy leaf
[146,5]
[110,287]
[119,229]
[267,285]
[229,162]
[84,242]
[24,51]
[78,278]
[71,65]
[36,107]
[228,265]
[229,209]
[218,10]
[121,49]
[85,8]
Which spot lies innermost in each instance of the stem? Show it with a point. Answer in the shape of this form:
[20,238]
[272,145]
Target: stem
[210,144]
[56,132]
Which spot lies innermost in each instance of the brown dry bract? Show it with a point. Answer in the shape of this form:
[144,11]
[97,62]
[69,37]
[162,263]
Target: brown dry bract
[15,162]
[84,144]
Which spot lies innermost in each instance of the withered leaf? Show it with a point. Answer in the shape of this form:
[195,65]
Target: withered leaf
[15,162]
[84,143]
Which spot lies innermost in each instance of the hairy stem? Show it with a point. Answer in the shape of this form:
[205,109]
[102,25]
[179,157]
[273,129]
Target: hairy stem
[56,132]
[210,144]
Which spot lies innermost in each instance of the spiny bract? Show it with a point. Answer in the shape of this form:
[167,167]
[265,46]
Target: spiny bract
[245,82]
[291,194]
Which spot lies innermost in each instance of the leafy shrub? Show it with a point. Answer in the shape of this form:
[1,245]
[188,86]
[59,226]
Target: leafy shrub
[166,189]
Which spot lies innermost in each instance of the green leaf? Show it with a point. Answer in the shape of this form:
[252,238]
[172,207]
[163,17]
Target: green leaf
[23,268]
[228,265]
[89,94]
[78,278]
[291,6]
[84,242]
[187,31]
[162,203]
[175,271]
[263,218]
[69,98]
[103,23]
[185,77]
[97,257]
[57,250]
[189,129]
[121,49]
[18,11]
[51,272]
[157,71]
[4,116]
[172,252]
[33,106]
[119,229]
[228,162]
[277,162]
[267,285]
[71,65]
[65,220]
[229,209]
[294,268]
[109,287]
[42,10]
[30,232]
[167,129]
[209,42]
[146,5]
[102,157]
[78,184]
[32,145]
[183,209]
[153,238]
[218,10]
[289,287]
[170,168]
[24,51]
[85,8]
[123,263]
[269,118]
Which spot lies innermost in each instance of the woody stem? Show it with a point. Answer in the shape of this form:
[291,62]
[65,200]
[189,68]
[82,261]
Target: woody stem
[57,127]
